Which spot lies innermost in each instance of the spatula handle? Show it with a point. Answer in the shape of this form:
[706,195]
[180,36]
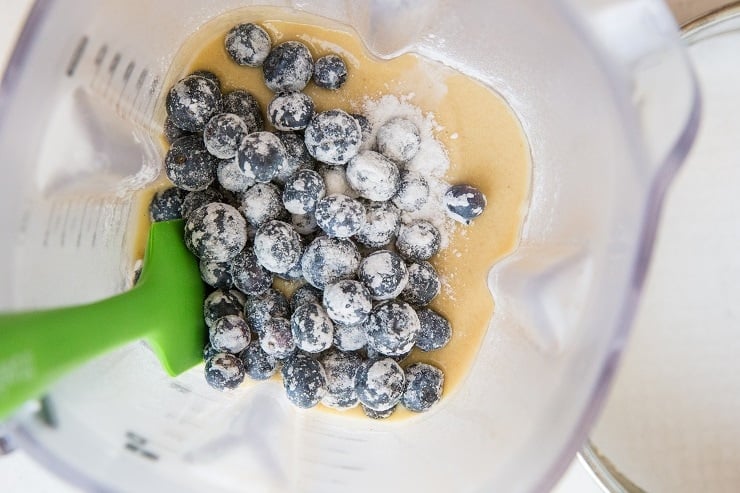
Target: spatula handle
[165,307]
[38,347]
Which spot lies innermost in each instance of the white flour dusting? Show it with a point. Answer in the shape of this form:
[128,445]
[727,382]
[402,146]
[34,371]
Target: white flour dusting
[431,161]
[335,180]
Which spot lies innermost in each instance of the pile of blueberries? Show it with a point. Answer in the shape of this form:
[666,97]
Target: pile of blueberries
[256,207]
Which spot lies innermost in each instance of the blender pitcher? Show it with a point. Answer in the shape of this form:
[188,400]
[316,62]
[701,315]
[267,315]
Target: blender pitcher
[609,106]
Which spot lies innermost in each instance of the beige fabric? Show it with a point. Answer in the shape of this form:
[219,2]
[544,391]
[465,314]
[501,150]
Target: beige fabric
[688,10]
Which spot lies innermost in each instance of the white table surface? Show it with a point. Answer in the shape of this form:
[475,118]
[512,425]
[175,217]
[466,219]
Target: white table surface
[18,472]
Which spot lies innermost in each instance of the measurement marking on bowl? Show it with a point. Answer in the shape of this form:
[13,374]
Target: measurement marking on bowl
[152,92]
[128,71]
[180,388]
[102,51]
[123,214]
[139,84]
[95,230]
[135,443]
[113,218]
[48,227]
[65,221]
[126,76]
[114,63]
[85,208]
[75,222]
[99,58]
[76,56]
[116,88]
[127,214]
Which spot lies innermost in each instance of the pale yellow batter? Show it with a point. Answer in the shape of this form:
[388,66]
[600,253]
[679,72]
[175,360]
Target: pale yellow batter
[482,136]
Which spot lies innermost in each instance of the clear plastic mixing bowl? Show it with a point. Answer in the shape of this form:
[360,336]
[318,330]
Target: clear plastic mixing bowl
[609,106]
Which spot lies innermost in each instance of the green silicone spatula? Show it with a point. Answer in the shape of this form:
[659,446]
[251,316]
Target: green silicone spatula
[165,308]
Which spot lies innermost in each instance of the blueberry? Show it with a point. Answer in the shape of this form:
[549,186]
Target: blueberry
[224,371]
[330,72]
[384,274]
[290,111]
[303,191]
[233,199]
[259,309]
[192,101]
[258,365]
[304,380]
[219,304]
[435,330]
[382,222]
[240,297]
[216,232]
[245,105]
[335,179]
[261,154]
[333,137]
[413,191]
[313,330]
[288,67]
[276,338]
[298,156]
[380,383]
[349,337]
[303,295]
[208,75]
[229,334]
[166,204]
[373,353]
[373,414]
[247,44]
[423,285]
[293,274]
[305,224]
[232,178]
[373,176]
[424,384]
[277,246]
[392,328]
[328,260]
[340,216]
[365,127]
[208,351]
[419,240]
[195,200]
[172,132]
[347,302]
[223,135]
[398,139]
[464,203]
[216,274]
[189,165]
[248,275]
[340,369]
[262,203]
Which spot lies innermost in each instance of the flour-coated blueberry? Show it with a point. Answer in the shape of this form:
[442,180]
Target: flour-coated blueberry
[248,44]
